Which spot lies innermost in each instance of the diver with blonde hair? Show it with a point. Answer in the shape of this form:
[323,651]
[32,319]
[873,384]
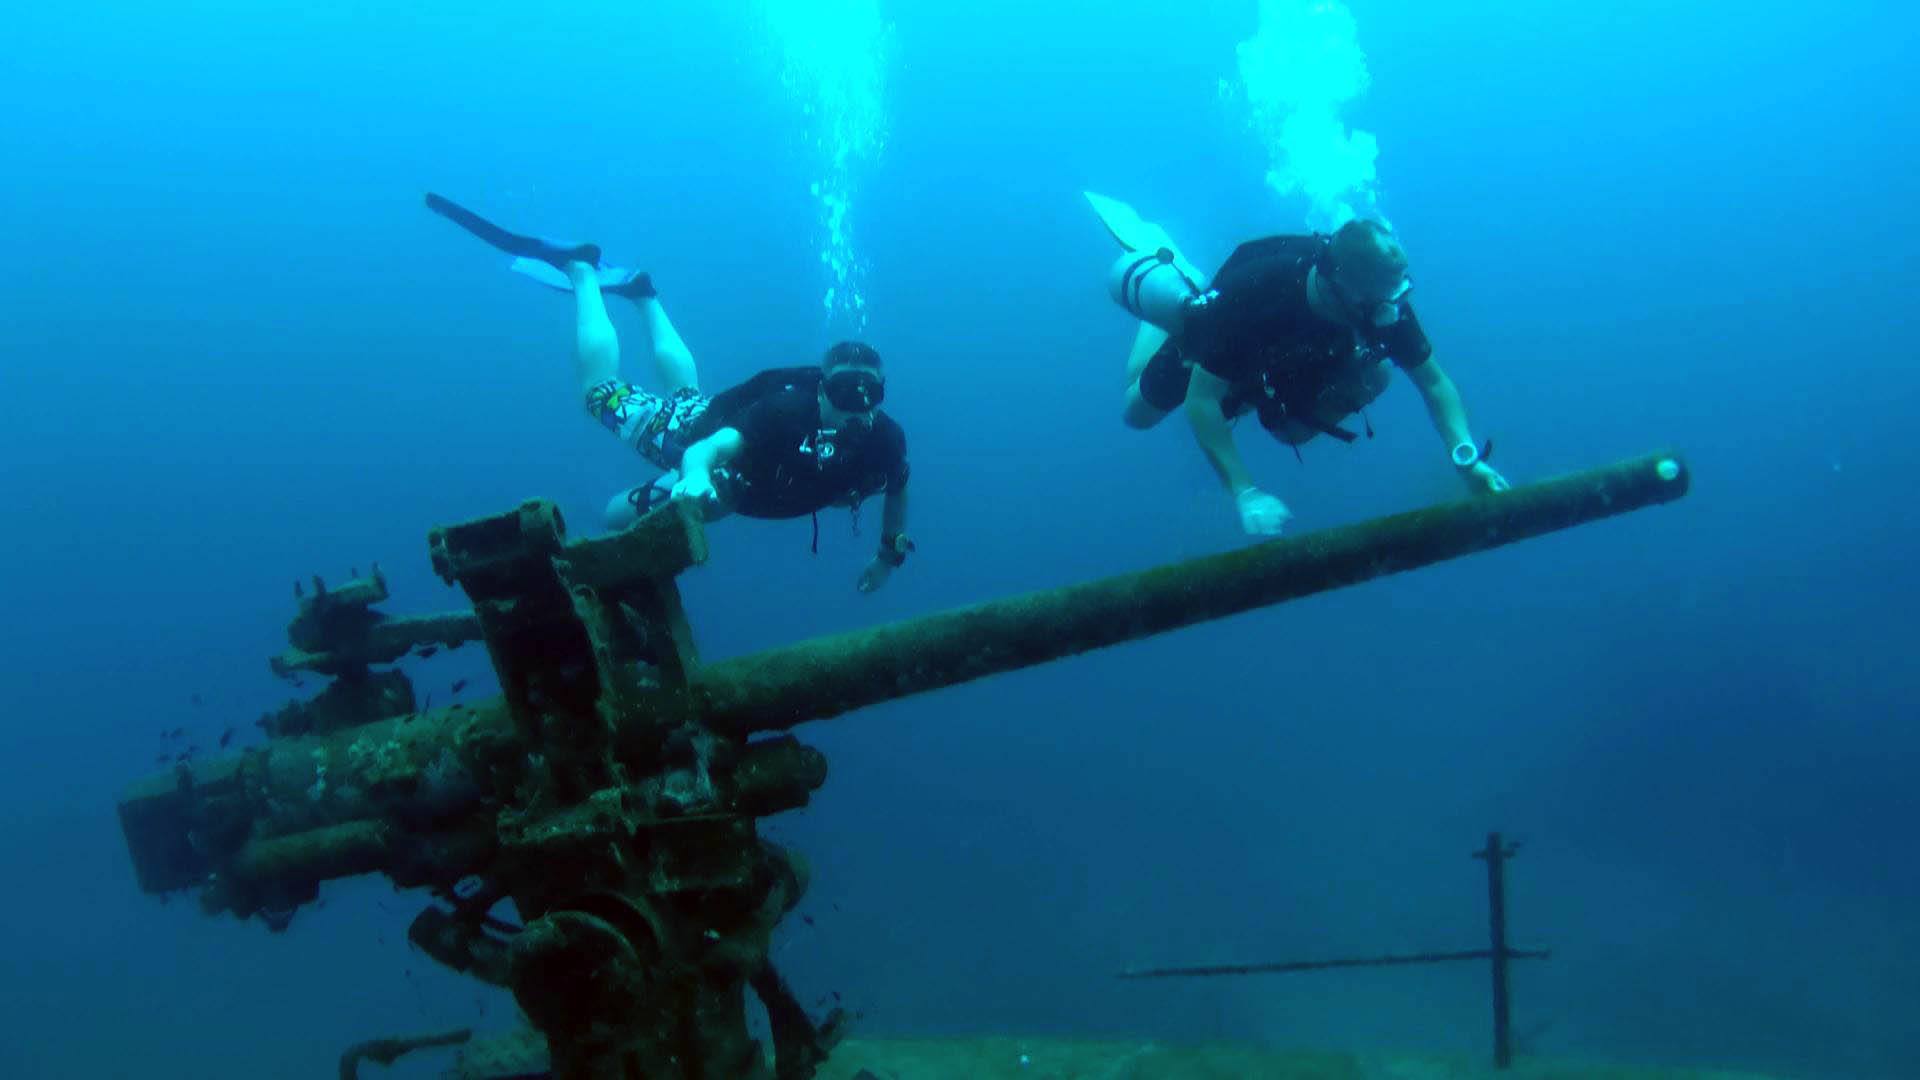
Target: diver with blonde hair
[1302,331]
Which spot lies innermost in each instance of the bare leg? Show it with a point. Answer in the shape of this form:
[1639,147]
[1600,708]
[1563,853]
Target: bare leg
[672,360]
[1145,344]
[596,347]
[629,506]
[1138,414]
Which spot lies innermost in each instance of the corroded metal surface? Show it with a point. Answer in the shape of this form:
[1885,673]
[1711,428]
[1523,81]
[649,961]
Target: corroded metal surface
[612,790]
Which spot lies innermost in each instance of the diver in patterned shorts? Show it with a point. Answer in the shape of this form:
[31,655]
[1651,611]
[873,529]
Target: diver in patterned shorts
[787,443]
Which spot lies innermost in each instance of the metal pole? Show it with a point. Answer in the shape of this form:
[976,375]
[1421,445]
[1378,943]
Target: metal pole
[1286,966]
[828,676]
[1496,855]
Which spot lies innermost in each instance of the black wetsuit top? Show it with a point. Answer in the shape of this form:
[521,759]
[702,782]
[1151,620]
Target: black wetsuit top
[789,464]
[1255,329]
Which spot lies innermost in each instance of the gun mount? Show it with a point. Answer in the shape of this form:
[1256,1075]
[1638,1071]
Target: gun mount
[612,790]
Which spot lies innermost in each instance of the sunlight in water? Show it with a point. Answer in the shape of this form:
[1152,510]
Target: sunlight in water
[835,54]
[1296,73]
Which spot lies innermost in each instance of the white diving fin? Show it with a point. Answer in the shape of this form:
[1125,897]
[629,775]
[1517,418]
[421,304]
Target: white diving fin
[1132,233]
[544,273]
[611,277]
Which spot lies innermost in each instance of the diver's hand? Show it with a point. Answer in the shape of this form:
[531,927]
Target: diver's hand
[697,489]
[875,575]
[1260,513]
[1484,479]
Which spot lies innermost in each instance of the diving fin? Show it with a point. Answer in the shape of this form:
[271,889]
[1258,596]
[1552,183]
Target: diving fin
[557,253]
[545,273]
[1125,225]
[613,279]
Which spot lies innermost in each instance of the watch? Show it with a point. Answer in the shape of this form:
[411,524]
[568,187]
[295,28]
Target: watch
[894,548]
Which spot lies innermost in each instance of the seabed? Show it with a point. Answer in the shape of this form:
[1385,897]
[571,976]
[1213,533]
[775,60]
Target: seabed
[1010,1058]
[1078,1059]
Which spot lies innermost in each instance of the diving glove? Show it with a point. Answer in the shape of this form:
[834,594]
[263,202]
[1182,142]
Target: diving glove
[1260,513]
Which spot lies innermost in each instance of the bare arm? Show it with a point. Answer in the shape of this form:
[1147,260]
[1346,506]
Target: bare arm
[1205,391]
[893,513]
[1450,420]
[893,541]
[698,463]
[1443,403]
[1261,514]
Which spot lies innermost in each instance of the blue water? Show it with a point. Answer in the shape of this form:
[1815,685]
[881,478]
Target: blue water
[237,352]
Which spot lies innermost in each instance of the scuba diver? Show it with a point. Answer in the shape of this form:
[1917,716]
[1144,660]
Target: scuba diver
[1298,330]
[788,442]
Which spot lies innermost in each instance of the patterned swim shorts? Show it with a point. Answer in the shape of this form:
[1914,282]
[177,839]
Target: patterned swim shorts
[654,425]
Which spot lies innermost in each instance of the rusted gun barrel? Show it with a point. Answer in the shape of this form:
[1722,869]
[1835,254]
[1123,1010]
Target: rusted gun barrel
[406,796]
[338,632]
[828,676]
[313,809]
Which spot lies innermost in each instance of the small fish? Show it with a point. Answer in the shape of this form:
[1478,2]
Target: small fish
[298,592]
[459,685]
[428,651]
[226,737]
[196,699]
[176,733]
[356,572]
[162,759]
[426,703]
[808,919]
[184,755]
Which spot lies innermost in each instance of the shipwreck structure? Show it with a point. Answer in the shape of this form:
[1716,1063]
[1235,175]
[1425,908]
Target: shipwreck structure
[613,789]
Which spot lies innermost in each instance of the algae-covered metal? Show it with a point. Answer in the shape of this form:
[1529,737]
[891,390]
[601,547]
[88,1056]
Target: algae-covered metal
[613,789]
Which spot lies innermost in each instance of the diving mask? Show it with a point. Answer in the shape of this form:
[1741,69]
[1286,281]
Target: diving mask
[854,389]
[1380,310]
